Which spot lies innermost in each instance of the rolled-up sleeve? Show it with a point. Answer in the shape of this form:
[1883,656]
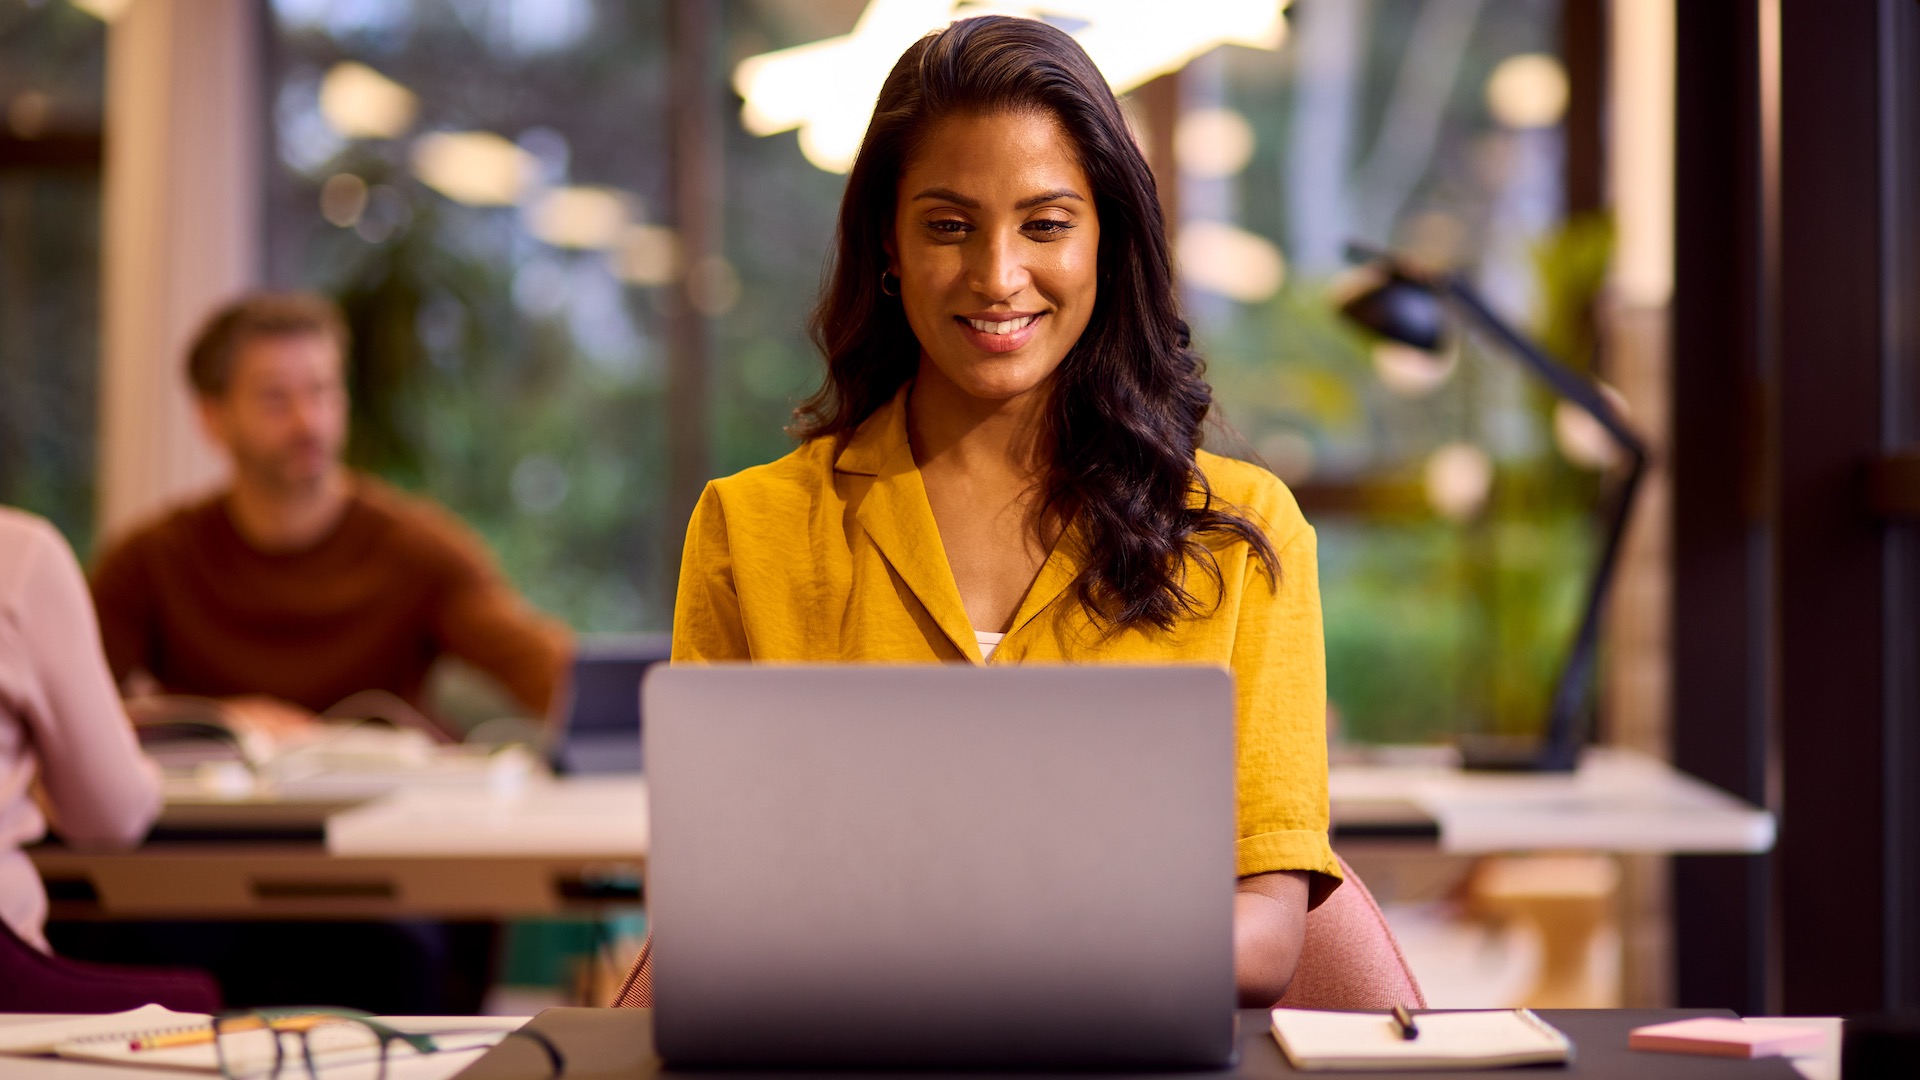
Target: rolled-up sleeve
[1279,666]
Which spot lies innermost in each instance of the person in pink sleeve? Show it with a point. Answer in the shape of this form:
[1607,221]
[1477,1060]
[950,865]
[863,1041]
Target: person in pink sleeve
[66,747]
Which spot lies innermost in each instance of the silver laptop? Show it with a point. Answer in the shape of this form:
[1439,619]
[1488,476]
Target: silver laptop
[941,866]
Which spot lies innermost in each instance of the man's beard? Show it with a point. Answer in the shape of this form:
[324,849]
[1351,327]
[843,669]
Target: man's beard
[287,473]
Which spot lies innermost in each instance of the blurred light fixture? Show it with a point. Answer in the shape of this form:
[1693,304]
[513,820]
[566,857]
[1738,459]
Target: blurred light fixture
[1459,476]
[1415,308]
[1213,143]
[1289,455]
[647,255]
[579,217]
[1528,91]
[104,10]
[1230,261]
[827,88]
[474,167]
[1581,438]
[1411,372]
[713,286]
[343,198]
[360,103]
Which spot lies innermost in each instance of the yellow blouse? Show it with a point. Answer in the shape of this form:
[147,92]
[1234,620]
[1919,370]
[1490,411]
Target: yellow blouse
[831,554]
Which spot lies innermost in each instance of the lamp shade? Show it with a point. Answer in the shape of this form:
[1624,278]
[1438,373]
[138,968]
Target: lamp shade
[1403,310]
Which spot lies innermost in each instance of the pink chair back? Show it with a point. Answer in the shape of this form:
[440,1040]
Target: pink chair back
[32,981]
[1349,960]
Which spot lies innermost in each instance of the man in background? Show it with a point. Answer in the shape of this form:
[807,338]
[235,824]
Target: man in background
[304,582]
[300,585]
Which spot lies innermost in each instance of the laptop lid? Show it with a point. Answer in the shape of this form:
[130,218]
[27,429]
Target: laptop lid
[599,715]
[942,866]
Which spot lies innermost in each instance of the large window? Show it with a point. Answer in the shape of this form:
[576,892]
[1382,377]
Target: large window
[1454,527]
[51,63]
[487,187]
[466,178]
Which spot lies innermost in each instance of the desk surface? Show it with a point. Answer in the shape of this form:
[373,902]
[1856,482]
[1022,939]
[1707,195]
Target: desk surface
[609,1043]
[546,844]
[603,1043]
[1618,801]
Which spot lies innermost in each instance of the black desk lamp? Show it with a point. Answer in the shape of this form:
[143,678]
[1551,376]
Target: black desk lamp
[1413,309]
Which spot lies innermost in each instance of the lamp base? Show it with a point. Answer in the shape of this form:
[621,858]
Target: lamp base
[1515,753]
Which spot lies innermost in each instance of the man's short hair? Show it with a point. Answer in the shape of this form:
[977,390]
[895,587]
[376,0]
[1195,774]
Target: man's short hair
[257,315]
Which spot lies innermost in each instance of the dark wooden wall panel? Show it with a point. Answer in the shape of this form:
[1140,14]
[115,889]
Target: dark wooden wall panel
[1830,554]
[1721,905]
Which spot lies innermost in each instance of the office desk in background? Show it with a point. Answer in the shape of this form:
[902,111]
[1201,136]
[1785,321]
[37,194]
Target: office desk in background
[548,847]
[571,843]
[1618,802]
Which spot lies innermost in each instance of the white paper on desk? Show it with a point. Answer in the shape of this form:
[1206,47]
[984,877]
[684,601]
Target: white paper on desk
[402,1060]
[1316,1040]
[42,1036]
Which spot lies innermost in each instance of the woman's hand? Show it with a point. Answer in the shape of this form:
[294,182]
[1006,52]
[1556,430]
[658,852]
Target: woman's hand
[1269,924]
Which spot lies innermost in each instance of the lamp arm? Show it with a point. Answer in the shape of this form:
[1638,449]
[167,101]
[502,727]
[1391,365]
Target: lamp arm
[1565,733]
[1564,381]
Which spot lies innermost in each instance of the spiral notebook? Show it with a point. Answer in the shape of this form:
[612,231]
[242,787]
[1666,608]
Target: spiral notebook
[1315,1041]
[48,1036]
[112,1037]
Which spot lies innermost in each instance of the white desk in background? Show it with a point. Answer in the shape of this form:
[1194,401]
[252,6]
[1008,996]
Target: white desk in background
[538,848]
[1618,801]
[547,845]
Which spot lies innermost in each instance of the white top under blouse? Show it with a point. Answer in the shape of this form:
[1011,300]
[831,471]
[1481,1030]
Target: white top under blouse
[988,643]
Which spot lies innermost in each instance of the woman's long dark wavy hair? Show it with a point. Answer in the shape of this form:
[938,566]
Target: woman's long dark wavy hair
[1128,400]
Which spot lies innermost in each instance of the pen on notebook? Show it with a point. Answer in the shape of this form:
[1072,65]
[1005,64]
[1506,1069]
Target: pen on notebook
[163,1040]
[1403,1020]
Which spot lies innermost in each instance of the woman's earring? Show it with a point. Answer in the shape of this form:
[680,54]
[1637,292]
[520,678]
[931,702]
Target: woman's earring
[884,291]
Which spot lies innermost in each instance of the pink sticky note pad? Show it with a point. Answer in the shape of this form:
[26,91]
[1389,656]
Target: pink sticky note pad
[1725,1038]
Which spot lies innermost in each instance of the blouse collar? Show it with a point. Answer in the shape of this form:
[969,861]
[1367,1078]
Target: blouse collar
[898,516]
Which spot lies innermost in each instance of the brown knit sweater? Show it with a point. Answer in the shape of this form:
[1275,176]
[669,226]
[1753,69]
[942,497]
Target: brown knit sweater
[396,583]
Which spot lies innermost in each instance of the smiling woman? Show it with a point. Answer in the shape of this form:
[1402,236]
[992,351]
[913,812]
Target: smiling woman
[1003,465]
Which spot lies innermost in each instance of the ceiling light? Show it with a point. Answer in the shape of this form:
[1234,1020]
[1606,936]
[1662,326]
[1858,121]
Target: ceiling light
[1528,91]
[104,10]
[579,217]
[1580,437]
[1230,261]
[474,167]
[343,198]
[647,255]
[360,103]
[827,88]
[1213,143]
[1459,476]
